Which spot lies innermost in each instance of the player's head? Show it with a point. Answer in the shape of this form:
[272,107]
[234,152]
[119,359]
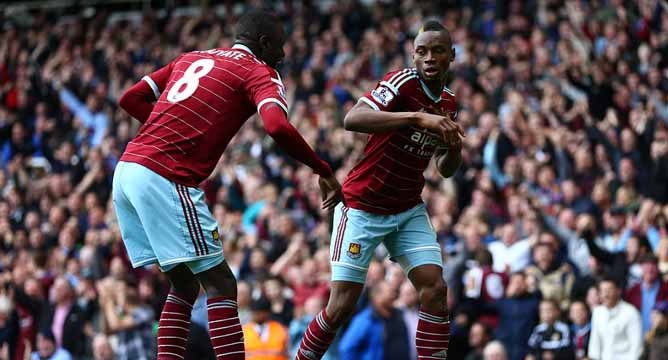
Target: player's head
[262,32]
[433,51]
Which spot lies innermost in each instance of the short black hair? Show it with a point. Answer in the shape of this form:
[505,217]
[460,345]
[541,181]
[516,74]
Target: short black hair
[432,25]
[254,23]
[611,279]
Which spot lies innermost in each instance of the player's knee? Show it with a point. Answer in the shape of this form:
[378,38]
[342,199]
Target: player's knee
[342,305]
[340,311]
[188,289]
[433,294]
[218,281]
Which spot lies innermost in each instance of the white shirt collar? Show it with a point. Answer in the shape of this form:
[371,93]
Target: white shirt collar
[242,47]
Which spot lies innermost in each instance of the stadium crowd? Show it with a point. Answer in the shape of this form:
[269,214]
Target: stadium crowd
[554,229]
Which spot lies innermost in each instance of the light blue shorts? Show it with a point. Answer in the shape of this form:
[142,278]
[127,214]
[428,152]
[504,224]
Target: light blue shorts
[164,222]
[408,236]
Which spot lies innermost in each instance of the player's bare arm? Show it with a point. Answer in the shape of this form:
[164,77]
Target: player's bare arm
[448,159]
[362,118]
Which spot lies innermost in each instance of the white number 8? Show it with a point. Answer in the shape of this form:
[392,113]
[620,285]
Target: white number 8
[193,73]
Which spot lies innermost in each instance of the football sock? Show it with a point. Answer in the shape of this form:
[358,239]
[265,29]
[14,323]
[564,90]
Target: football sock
[318,337]
[433,335]
[227,336]
[174,326]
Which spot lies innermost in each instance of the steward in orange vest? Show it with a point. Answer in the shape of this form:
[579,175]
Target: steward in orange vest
[265,339]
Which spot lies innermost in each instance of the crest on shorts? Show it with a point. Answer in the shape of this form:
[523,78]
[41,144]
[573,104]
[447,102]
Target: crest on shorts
[215,235]
[354,250]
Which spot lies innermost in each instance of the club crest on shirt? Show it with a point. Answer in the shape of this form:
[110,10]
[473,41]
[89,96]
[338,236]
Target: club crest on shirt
[354,250]
[383,95]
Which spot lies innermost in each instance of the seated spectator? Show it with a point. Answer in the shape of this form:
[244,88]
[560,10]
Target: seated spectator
[579,316]
[265,338]
[551,338]
[47,348]
[616,326]
[656,340]
[377,332]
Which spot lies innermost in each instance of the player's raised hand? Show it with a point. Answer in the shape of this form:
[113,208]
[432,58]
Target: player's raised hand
[331,192]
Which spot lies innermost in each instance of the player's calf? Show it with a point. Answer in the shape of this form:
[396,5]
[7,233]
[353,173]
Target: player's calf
[323,327]
[225,329]
[174,324]
[433,331]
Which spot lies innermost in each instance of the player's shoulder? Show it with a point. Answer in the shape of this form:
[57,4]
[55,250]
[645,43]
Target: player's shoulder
[448,94]
[400,79]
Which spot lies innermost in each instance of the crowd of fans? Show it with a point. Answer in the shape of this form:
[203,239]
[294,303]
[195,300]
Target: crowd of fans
[554,229]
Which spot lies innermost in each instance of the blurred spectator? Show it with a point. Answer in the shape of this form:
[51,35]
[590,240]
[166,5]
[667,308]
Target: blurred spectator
[299,325]
[479,337]
[579,316]
[378,331]
[551,338]
[129,320]
[102,348]
[265,338]
[553,279]
[408,303]
[282,309]
[510,254]
[47,349]
[518,314]
[616,326]
[244,298]
[494,351]
[66,319]
[656,340]
[649,291]
[9,328]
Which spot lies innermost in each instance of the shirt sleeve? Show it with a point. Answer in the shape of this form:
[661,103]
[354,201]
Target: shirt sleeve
[158,79]
[385,96]
[264,86]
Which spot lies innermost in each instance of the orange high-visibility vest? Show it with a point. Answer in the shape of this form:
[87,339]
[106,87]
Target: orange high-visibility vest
[274,348]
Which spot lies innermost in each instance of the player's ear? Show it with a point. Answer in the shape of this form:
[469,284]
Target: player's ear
[264,41]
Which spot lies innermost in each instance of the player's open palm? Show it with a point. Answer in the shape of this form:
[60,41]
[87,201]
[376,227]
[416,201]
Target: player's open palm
[331,192]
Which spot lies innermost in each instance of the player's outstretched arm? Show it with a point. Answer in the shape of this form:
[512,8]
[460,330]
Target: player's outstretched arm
[289,139]
[138,101]
[363,118]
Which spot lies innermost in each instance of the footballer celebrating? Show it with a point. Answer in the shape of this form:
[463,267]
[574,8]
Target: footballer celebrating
[409,117]
[190,110]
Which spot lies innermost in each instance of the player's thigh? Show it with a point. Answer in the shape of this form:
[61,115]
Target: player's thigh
[354,239]
[179,225]
[414,243]
[132,231]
